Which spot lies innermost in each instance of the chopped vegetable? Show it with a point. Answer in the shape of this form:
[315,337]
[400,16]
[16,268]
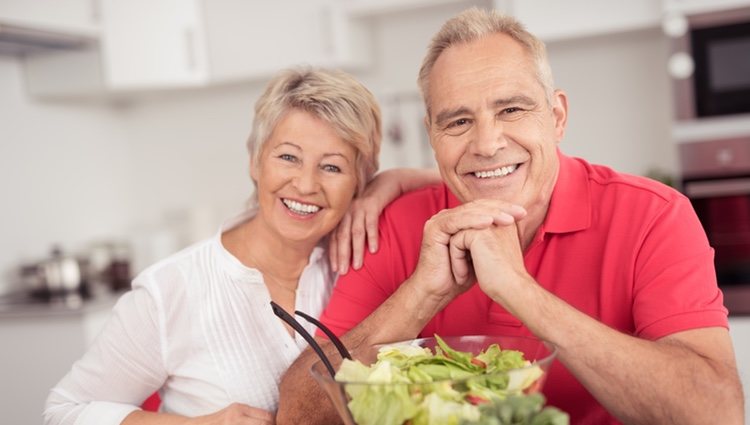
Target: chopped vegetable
[448,387]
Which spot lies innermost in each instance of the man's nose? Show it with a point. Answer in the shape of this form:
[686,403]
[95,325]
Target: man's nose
[489,137]
[306,180]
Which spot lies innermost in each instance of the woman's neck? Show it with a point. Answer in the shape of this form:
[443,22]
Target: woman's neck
[256,246]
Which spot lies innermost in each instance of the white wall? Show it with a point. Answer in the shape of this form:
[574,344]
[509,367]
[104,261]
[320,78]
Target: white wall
[64,174]
[167,168]
[619,97]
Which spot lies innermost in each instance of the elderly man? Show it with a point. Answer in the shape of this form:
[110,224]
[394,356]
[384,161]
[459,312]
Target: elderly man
[615,270]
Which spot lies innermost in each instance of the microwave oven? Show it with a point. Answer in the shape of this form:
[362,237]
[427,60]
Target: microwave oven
[719,46]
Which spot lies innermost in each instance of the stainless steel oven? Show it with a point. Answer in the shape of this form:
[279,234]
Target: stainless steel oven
[716,178]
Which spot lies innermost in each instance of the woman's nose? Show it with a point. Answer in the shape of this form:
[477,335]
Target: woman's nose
[306,181]
[489,137]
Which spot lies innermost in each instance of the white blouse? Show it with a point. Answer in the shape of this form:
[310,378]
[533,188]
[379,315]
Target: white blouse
[197,326]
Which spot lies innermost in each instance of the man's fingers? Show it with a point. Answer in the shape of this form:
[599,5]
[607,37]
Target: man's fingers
[460,260]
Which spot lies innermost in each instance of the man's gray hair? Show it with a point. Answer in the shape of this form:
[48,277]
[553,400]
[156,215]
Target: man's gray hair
[473,24]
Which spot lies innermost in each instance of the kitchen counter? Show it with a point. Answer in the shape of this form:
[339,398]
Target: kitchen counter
[22,305]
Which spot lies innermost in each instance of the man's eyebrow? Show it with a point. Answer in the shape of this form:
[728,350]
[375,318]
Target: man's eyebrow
[519,99]
[446,115]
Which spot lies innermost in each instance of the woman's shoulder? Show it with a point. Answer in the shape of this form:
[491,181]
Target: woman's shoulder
[176,266]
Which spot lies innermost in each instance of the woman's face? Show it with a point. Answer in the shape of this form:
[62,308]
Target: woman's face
[306,178]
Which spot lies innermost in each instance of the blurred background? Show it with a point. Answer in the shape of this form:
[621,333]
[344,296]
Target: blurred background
[123,127]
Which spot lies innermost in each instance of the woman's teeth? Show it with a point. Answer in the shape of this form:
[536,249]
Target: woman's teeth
[300,208]
[502,171]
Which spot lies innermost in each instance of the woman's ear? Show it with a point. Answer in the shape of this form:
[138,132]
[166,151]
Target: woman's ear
[254,170]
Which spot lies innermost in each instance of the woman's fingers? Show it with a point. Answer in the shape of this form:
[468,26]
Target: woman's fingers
[333,249]
[358,233]
[344,240]
[371,226]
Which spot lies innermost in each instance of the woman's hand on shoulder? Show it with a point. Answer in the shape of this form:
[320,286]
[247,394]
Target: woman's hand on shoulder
[360,223]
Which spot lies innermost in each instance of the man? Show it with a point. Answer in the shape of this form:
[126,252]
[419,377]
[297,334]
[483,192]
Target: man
[614,270]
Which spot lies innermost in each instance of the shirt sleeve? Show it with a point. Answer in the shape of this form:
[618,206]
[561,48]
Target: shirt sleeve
[119,371]
[676,286]
[359,292]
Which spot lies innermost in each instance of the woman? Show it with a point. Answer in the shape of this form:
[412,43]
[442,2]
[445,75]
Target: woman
[198,325]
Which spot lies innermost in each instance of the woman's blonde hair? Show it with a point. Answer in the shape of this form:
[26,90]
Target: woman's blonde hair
[330,95]
[473,24]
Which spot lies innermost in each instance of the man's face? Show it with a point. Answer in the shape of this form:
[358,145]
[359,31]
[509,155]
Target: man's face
[491,127]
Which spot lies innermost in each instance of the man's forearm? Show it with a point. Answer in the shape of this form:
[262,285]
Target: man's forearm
[400,317]
[679,379]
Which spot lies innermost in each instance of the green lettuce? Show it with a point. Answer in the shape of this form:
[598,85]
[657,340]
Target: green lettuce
[448,387]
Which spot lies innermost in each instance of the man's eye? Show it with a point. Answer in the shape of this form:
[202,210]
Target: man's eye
[458,123]
[331,168]
[511,110]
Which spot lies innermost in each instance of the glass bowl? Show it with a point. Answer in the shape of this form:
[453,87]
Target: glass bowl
[366,402]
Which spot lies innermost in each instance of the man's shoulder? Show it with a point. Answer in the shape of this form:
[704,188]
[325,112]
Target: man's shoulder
[426,200]
[611,180]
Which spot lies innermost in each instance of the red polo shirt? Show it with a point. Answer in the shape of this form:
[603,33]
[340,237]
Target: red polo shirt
[625,250]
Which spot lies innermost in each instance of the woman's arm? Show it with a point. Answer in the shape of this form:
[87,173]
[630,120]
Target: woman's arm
[235,414]
[122,367]
[347,241]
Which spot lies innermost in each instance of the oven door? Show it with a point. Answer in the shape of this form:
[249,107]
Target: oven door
[723,207]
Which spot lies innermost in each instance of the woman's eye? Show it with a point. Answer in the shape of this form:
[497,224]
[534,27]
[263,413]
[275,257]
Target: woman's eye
[287,157]
[331,168]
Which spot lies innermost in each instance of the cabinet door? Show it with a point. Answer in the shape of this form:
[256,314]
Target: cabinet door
[254,38]
[556,20]
[152,44]
[72,16]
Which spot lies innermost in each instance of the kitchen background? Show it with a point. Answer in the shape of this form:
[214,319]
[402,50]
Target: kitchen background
[138,137]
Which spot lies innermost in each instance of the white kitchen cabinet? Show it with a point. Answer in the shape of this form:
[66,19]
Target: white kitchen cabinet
[553,20]
[691,7]
[39,346]
[164,43]
[67,16]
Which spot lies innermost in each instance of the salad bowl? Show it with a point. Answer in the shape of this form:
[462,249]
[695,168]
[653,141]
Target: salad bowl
[467,380]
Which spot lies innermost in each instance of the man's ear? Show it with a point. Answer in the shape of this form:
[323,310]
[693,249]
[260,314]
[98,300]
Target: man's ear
[427,126]
[560,112]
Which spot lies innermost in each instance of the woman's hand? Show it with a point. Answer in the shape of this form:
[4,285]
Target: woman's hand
[235,414]
[360,223]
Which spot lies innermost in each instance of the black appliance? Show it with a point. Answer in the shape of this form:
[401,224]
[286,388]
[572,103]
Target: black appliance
[719,44]
[716,178]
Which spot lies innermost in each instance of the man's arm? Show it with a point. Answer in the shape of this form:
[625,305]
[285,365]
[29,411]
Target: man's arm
[403,315]
[687,377]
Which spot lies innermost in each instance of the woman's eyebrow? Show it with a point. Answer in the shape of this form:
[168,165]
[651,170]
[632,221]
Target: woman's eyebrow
[336,154]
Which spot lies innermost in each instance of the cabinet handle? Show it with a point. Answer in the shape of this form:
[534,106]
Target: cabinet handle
[190,49]
[96,11]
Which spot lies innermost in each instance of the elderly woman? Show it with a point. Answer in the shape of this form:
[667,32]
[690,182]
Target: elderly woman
[198,326]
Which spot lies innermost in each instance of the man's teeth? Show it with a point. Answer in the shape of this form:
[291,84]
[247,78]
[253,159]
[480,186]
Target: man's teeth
[300,208]
[502,171]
